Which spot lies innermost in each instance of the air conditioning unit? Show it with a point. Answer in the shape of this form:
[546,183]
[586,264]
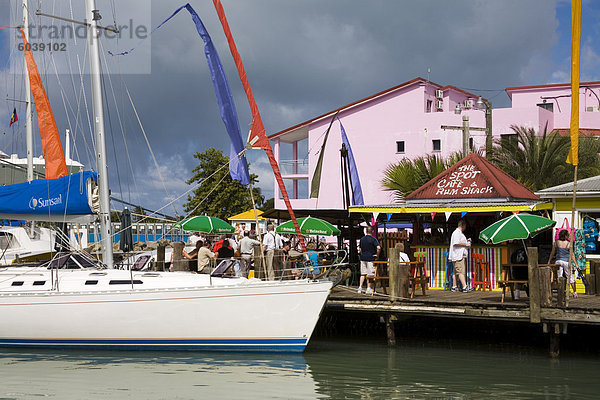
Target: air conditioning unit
[439,94]
[469,103]
[439,104]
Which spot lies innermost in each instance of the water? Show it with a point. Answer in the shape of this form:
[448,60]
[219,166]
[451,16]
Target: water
[330,369]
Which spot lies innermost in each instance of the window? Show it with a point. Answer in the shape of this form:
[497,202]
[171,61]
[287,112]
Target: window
[39,283]
[8,241]
[547,106]
[429,105]
[437,145]
[124,282]
[471,143]
[400,146]
[297,188]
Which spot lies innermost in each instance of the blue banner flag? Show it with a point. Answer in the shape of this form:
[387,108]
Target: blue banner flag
[238,166]
[354,179]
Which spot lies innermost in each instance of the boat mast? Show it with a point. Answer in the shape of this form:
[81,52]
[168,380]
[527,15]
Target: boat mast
[93,16]
[28,116]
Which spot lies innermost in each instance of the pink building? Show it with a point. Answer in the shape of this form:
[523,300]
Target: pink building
[407,121]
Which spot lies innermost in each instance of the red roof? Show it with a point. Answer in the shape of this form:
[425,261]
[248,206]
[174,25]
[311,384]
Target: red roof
[473,177]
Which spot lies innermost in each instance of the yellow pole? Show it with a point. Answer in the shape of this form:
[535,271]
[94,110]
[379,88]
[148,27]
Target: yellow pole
[573,157]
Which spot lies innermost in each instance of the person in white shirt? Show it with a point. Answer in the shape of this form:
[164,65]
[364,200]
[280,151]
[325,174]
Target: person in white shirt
[459,245]
[194,237]
[271,241]
[247,245]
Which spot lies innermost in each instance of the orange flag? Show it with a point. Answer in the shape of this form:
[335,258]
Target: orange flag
[573,157]
[54,155]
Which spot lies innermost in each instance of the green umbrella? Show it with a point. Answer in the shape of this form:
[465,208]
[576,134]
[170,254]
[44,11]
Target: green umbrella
[204,224]
[309,226]
[517,226]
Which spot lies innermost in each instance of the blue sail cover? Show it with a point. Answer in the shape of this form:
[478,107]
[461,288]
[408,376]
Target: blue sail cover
[48,199]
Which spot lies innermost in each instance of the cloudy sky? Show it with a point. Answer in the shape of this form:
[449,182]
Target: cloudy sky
[303,58]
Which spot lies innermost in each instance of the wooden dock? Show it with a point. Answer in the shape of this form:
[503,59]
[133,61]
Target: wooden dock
[475,304]
[545,305]
[484,307]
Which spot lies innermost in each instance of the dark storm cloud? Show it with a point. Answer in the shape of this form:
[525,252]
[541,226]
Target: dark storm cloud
[304,58]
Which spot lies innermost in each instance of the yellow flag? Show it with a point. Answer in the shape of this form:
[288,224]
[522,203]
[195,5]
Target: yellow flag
[573,157]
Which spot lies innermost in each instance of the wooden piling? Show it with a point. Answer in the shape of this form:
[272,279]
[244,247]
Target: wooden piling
[545,274]
[561,297]
[591,286]
[179,263]
[258,257]
[534,286]
[555,340]
[160,256]
[404,272]
[394,273]
[595,274]
[389,327]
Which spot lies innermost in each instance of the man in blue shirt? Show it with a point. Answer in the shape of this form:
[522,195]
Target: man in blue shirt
[369,249]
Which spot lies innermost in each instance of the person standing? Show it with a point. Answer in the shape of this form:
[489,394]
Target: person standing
[459,245]
[369,249]
[271,241]
[562,251]
[247,245]
[194,238]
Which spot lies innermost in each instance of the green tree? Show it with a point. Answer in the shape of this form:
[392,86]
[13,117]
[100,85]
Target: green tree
[115,216]
[538,161]
[218,195]
[268,204]
[404,177]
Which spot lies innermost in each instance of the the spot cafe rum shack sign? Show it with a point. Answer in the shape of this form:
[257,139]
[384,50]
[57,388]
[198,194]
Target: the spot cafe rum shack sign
[471,178]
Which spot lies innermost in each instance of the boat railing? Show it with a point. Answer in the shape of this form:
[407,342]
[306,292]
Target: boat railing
[284,266]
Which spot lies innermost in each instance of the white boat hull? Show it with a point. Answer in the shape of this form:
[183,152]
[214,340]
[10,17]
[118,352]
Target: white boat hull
[255,316]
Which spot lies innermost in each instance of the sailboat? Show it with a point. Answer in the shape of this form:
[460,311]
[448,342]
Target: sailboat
[72,302]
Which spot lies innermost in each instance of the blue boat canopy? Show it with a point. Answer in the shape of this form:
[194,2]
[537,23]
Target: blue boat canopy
[66,199]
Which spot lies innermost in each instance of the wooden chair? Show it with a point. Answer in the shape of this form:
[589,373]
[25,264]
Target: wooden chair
[449,272]
[482,279]
[507,281]
[419,273]
[381,275]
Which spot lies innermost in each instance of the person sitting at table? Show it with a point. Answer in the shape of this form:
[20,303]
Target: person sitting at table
[225,251]
[561,249]
[193,255]
[204,258]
